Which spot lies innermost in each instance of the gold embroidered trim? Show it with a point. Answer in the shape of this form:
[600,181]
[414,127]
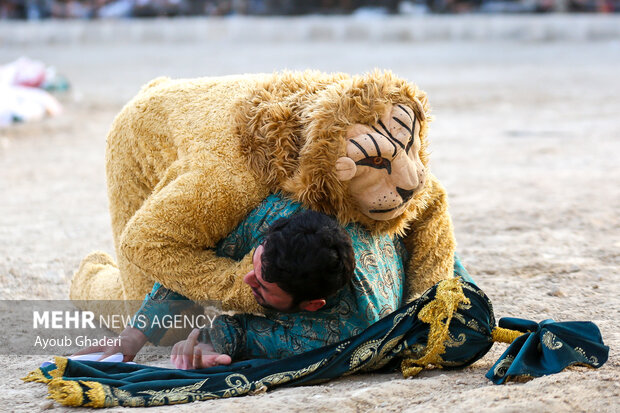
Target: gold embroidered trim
[505,335]
[438,314]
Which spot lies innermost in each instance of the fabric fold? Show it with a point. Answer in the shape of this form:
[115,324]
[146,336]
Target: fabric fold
[548,347]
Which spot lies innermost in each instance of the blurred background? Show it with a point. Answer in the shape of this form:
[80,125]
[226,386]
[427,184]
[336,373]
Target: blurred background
[95,9]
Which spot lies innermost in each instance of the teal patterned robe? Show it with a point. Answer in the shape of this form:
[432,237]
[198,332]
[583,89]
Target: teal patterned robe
[375,291]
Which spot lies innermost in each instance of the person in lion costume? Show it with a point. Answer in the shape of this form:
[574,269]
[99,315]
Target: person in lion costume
[187,160]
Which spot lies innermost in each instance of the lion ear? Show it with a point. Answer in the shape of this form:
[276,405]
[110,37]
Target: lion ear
[345,168]
[419,113]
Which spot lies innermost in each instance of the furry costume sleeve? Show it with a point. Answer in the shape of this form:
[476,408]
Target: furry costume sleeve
[430,241]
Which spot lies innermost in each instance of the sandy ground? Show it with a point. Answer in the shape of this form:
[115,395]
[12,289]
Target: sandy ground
[526,138]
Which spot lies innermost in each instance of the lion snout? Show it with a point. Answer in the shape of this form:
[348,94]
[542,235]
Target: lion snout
[405,194]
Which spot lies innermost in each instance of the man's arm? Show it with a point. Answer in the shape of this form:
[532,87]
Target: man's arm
[247,336]
[159,302]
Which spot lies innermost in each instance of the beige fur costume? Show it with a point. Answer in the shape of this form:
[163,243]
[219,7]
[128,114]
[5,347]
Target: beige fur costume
[187,160]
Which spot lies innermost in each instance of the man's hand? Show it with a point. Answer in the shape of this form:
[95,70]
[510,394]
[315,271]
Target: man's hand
[190,354]
[131,341]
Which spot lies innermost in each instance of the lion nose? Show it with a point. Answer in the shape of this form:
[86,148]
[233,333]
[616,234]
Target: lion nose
[405,194]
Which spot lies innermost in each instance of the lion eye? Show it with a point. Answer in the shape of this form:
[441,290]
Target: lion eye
[410,144]
[376,162]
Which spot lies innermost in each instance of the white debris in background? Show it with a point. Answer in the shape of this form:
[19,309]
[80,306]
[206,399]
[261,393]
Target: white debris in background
[23,95]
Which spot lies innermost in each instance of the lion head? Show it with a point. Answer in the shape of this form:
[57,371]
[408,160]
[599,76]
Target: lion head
[353,147]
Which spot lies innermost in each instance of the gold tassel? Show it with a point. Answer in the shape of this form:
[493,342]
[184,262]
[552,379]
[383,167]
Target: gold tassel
[504,335]
[38,376]
[67,392]
[408,368]
[438,313]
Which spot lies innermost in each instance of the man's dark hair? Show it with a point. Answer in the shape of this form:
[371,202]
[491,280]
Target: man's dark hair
[309,255]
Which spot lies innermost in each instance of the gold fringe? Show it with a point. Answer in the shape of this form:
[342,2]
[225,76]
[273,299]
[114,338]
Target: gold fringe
[259,390]
[95,394]
[38,376]
[67,392]
[504,335]
[409,370]
[519,379]
[438,313]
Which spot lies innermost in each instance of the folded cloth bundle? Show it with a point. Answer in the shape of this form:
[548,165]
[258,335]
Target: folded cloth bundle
[450,326]
[547,348]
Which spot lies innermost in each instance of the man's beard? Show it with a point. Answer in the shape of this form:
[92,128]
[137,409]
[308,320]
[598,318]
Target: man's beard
[294,308]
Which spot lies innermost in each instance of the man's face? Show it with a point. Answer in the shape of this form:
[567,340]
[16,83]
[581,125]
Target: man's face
[268,295]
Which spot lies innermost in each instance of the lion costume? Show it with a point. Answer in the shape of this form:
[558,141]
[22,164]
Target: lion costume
[187,160]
